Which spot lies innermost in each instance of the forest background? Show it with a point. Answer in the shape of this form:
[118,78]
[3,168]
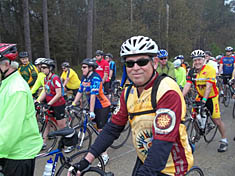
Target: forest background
[71,30]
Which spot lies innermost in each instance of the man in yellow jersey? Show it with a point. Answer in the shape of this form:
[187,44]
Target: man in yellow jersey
[204,78]
[40,80]
[27,70]
[158,133]
[70,78]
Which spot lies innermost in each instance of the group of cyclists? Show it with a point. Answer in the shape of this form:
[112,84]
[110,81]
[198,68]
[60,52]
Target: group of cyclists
[153,103]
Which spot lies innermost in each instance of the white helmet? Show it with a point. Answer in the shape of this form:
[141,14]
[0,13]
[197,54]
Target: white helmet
[197,53]
[139,45]
[177,63]
[39,60]
[229,48]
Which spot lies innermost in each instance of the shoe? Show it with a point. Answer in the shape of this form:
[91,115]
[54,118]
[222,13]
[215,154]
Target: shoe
[69,149]
[223,147]
[105,158]
[44,146]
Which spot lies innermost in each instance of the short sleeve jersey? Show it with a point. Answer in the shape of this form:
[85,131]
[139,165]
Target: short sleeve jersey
[74,81]
[51,89]
[92,85]
[103,67]
[207,74]
[228,64]
[112,66]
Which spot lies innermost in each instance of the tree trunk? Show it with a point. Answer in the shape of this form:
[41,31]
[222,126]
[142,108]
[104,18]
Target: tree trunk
[27,28]
[45,30]
[90,28]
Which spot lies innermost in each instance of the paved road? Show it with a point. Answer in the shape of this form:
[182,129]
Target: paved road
[206,156]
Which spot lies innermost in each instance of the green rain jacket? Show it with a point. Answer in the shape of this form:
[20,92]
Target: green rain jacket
[19,134]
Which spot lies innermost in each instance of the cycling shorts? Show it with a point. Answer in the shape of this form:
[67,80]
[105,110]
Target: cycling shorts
[213,106]
[101,116]
[226,78]
[59,112]
[75,91]
[106,88]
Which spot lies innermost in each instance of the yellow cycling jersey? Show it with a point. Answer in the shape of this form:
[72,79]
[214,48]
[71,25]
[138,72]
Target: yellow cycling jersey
[207,74]
[74,81]
[164,124]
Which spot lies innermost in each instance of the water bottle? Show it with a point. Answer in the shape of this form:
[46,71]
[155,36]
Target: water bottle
[203,121]
[199,118]
[48,168]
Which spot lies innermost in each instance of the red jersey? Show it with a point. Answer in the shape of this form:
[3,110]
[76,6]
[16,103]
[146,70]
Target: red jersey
[103,67]
[51,84]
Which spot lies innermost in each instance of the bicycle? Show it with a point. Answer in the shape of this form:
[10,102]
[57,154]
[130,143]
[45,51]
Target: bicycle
[193,125]
[195,171]
[66,162]
[225,91]
[87,125]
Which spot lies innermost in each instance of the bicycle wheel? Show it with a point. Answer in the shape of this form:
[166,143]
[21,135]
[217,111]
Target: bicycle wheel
[195,171]
[234,110]
[122,138]
[63,170]
[93,171]
[210,129]
[192,130]
[84,137]
[227,96]
[51,141]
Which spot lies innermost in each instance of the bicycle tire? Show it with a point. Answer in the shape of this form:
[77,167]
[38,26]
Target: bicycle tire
[51,142]
[62,171]
[122,138]
[210,125]
[87,140]
[195,171]
[192,130]
[227,96]
[93,171]
[234,110]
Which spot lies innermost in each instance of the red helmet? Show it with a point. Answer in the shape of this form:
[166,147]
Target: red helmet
[8,51]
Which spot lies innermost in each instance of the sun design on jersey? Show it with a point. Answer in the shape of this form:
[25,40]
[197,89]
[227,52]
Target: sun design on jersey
[163,121]
[144,141]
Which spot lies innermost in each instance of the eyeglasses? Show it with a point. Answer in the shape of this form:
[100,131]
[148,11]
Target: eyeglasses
[44,67]
[140,62]
[164,58]
[84,67]
[98,55]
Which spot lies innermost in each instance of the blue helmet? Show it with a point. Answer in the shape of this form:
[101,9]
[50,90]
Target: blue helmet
[162,53]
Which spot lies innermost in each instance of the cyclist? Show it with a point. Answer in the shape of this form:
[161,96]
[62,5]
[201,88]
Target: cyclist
[180,73]
[70,78]
[183,64]
[103,69]
[164,66]
[27,70]
[112,68]
[204,79]
[159,137]
[20,140]
[99,104]
[53,94]
[227,65]
[209,60]
[40,79]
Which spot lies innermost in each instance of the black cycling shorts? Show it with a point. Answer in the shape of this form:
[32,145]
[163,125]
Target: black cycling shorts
[101,116]
[18,167]
[226,78]
[59,112]
[106,88]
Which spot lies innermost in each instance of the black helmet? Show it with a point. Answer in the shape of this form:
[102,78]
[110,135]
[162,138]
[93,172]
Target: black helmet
[208,53]
[65,64]
[90,62]
[99,52]
[109,55]
[49,62]
[23,54]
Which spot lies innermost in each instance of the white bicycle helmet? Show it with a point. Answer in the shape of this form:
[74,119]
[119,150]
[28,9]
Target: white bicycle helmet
[177,63]
[197,53]
[229,48]
[138,45]
[39,60]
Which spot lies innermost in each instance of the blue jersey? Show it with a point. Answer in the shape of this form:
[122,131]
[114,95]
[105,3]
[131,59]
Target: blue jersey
[92,85]
[112,66]
[228,64]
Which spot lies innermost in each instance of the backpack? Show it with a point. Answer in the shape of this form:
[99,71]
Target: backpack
[62,87]
[153,96]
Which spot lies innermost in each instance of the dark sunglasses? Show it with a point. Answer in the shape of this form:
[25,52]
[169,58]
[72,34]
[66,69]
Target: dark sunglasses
[44,67]
[84,67]
[140,62]
[98,55]
[164,58]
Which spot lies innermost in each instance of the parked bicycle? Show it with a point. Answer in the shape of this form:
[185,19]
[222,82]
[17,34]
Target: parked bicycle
[200,123]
